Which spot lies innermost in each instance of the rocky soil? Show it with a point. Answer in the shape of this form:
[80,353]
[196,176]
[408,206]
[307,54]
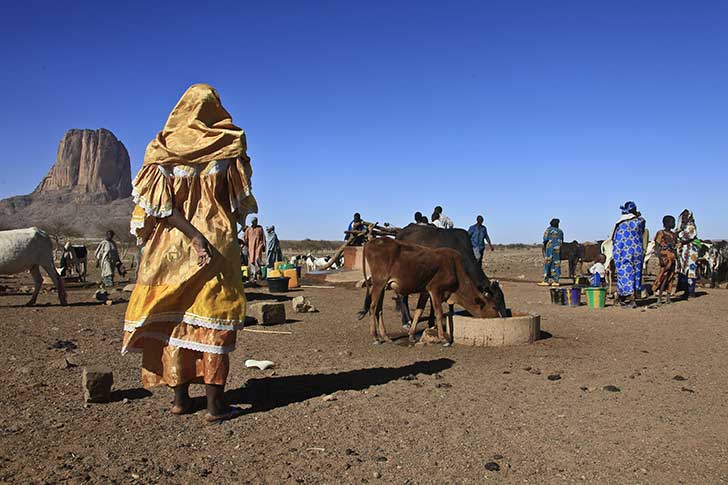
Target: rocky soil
[607,396]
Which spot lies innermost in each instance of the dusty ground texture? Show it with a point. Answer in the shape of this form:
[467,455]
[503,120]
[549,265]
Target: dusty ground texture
[397,414]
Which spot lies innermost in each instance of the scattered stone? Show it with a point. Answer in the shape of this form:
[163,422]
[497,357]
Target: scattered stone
[679,378]
[109,302]
[687,389]
[377,475]
[535,371]
[554,377]
[497,457]
[96,382]
[64,363]
[345,353]
[63,345]
[301,304]
[443,385]
[329,398]
[381,459]
[492,466]
[25,370]
[268,313]
[611,388]
[25,289]
[101,295]
[350,452]
[521,276]
[429,336]
[409,377]
[129,288]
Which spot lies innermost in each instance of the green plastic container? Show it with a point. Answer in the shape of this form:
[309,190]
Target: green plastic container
[595,297]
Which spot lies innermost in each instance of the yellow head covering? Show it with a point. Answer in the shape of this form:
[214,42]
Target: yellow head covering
[198,130]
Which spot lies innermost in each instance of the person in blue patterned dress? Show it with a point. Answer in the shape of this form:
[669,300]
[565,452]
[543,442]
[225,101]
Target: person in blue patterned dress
[553,238]
[628,253]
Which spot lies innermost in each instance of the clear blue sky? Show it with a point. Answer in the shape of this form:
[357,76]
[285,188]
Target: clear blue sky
[521,111]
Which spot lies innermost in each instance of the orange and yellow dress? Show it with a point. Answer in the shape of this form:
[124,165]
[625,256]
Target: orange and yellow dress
[183,317]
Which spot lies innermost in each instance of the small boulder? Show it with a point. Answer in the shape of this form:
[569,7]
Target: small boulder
[301,304]
[429,336]
[268,313]
[96,382]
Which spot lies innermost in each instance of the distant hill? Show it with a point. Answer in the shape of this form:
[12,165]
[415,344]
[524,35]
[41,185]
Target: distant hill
[86,191]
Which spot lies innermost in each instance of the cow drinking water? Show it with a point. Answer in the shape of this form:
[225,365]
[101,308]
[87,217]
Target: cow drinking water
[29,250]
[458,240]
[437,274]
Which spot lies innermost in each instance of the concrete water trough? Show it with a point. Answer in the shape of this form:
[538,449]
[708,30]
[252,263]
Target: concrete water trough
[521,328]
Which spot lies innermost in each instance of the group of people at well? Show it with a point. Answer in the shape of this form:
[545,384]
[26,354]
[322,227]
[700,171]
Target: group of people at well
[676,249]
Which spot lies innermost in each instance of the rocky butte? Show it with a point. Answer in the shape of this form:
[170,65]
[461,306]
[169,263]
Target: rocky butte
[87,190]
[90,162]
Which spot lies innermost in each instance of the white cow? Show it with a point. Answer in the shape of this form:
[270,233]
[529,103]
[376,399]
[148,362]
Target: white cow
[28,250]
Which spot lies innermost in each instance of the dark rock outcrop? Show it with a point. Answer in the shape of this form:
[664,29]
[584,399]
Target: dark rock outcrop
[87,191]
[90,162]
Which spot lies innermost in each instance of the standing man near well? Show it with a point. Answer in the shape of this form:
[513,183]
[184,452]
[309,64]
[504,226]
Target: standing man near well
[553,238]
[255,240]
[478,237]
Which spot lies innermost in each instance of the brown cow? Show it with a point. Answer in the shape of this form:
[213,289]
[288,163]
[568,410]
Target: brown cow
[437,274]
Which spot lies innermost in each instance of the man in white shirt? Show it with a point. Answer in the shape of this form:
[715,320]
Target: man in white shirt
[597,268]
[445,221]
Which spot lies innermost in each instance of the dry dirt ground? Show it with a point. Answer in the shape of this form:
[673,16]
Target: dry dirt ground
[398,414]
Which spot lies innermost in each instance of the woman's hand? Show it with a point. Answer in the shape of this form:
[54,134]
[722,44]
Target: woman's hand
[199,242]
[204,251]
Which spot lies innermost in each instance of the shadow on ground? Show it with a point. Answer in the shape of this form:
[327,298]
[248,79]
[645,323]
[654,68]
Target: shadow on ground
[130,394]
[274,392]
[252,296]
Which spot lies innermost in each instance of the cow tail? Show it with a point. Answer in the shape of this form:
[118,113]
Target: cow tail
[368,298]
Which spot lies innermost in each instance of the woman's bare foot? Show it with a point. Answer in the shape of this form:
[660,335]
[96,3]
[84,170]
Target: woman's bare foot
[217,409]
[182,403]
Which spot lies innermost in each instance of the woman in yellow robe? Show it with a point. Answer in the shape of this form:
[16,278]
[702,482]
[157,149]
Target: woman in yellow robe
[188,302]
